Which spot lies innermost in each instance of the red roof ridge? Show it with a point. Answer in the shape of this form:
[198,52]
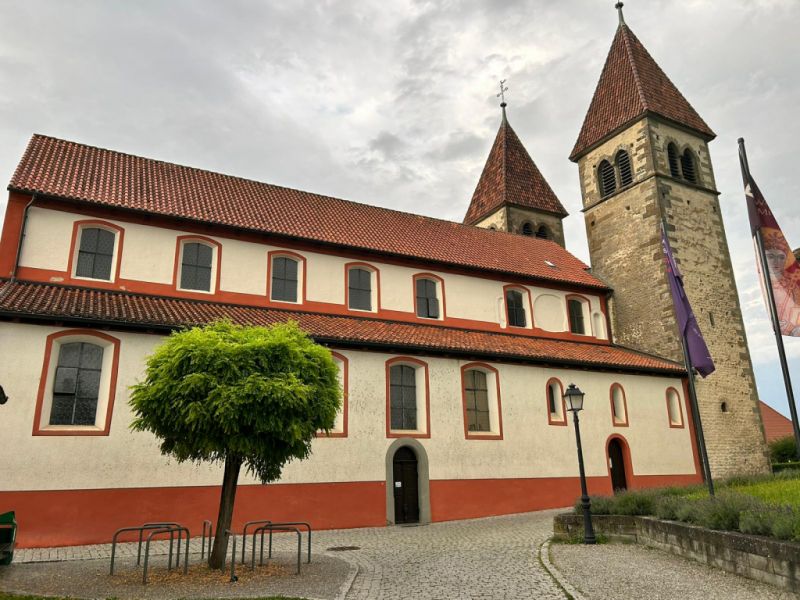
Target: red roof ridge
[78,172]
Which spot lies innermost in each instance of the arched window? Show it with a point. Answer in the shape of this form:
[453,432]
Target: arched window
[542,233]
[515,308]
[555,403]
[427,299]
[359,288]
[624,165]
[284,279]
[577,322]
[196,265]
[607,179]
[619,407]
[688,167]
[403,397]
[527,229]
[674,408]
[476,394]
[95,253]
[672,157]
[77,384]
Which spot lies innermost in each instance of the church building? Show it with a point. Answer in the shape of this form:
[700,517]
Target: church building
[454,341]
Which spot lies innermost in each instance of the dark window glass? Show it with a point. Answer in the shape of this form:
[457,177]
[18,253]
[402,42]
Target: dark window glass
[76,384]
[95,253]
[624,166]
[515,308]
[284,279]
[552,398]
[672,157]
[542,233]
[403,397]
[687,166]
[427,302]
[576,324]
[359,282]
[527,229]
[477,396]
[196,267]
[608,181]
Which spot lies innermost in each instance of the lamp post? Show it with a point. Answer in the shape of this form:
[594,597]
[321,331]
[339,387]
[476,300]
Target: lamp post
[574,400]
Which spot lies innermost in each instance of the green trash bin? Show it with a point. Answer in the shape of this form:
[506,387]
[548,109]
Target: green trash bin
[8,536]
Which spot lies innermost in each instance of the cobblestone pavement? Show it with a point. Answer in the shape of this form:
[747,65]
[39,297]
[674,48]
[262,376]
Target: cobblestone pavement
[624,571]
[493,558]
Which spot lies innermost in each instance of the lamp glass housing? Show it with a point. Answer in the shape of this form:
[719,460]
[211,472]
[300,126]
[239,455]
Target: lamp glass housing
[574,398]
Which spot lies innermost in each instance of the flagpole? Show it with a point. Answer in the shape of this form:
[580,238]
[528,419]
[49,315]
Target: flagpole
[698,424]
[773,311]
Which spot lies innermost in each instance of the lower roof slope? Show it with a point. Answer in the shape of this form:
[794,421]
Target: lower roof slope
[70,304]
[69,170]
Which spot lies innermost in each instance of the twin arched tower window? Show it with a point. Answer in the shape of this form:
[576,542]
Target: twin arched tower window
[620,174]
[541,232]
[681,166]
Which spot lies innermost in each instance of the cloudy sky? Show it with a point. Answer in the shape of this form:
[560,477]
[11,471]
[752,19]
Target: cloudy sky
[392,102]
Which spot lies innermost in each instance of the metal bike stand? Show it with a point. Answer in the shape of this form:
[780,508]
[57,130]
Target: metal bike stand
[234,578]
[295,523]
[244,534]
[210,527]
[272,528]
[157,524]
[171,530]
[141,529]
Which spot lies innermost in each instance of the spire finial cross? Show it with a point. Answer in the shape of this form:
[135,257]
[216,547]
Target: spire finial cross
[619,6]
[502,94]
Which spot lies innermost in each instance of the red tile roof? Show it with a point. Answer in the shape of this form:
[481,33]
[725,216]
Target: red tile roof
[69,304]
[75,171]
[511,177]
[631,85]
[776,426]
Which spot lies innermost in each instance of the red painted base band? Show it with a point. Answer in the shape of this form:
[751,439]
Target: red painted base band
[76,517]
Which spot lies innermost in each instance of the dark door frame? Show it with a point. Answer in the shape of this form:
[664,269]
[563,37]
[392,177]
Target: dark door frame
[423,480]
[623,463]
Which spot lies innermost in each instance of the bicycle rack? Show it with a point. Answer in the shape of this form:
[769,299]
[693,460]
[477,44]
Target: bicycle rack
[244,535]
[234,578]
[141,529]
[171,530]
[292,524]
[206,526]
[162,524]
[272,528]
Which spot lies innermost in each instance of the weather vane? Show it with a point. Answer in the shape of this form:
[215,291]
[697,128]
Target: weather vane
[502,94]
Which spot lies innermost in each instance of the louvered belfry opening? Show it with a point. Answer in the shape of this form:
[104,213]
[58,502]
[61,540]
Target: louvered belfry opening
[608,181]
[624,165]
[687,165]
[672,156]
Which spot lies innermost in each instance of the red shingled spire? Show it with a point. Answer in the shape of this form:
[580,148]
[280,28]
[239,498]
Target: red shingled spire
[510,177]
[632,85]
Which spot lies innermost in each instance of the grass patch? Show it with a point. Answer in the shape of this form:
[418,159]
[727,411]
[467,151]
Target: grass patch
[761,505]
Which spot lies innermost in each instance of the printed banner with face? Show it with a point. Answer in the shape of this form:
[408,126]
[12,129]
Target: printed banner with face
[784,271]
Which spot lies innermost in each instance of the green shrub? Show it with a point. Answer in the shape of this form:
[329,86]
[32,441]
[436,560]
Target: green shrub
[635,503]
[601,505]
[757,522]
[783,450]
[791,468]
[667,507]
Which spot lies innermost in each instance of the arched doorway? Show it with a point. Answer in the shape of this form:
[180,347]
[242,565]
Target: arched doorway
[406,487]
[616,465]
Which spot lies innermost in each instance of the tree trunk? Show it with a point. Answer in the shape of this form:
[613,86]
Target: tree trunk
[216,559]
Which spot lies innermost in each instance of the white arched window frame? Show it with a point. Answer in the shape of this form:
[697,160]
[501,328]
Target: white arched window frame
[354,287]
[180,259]
[556,406]
[279,281]
[521,310]
[578,319]
[619,406]
[79,247]
[421,396]
[492,378]
[674,409]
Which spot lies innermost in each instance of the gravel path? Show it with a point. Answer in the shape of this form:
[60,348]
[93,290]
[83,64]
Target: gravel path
[623,571]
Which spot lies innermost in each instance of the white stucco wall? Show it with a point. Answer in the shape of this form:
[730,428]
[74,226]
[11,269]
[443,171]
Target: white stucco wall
[530,448]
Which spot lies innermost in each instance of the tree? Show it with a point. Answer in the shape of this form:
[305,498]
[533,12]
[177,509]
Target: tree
[242,396]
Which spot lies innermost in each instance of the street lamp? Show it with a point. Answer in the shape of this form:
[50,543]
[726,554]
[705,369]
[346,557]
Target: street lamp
[574,400]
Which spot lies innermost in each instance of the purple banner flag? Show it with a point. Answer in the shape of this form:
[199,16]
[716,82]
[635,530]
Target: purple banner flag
[784,270]
[699,356]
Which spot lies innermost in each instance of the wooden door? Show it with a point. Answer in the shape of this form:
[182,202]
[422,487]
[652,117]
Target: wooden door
[406,487]
[616,463]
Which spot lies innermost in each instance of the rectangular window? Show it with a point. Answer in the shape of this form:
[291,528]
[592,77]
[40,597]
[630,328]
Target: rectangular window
[95,253]
[427,302]
[77,384]
[477,394]
[516,309]
[576,324]
[196,267]
[359,293]
[284,279]
[403,397]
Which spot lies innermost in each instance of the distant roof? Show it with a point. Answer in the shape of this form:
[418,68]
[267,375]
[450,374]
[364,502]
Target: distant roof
[776,426]
[632,85]
[70,305]
[510,177]
[70,170]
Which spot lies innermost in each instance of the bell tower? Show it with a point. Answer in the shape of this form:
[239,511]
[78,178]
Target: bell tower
[642,155]
[512,194]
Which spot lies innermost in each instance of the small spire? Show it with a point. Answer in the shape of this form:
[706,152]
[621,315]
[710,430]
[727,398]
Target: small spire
[502,96]
[619,6]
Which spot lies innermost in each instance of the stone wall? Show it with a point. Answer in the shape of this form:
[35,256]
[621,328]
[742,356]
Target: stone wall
[763,559]
[624,233]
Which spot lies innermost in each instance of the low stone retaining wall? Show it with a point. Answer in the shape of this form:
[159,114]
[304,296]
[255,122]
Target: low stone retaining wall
[763,559]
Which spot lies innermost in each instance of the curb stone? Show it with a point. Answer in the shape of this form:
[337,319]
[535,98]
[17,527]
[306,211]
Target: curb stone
[344,589]
[544,556]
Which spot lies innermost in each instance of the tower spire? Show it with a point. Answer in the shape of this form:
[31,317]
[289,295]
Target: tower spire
[619,6]
[502,96]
